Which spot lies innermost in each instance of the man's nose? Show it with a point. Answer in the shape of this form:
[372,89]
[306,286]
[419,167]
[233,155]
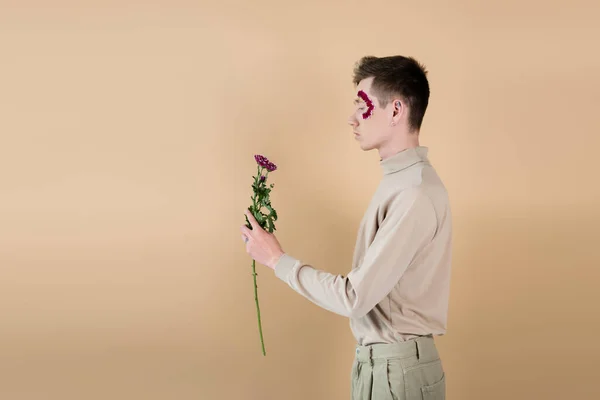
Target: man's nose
[352,121]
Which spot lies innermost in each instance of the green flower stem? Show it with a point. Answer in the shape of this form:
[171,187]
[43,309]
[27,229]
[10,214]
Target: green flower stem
[262,341]
[254,274]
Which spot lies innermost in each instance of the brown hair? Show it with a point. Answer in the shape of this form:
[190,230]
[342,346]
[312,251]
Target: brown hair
[397,76]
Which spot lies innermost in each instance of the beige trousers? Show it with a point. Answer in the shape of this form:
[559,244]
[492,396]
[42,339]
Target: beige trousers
[410,370]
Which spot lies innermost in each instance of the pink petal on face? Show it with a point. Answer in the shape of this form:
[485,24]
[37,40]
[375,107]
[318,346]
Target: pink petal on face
[369,103]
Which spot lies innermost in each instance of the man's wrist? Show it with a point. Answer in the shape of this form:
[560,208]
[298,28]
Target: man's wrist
[275,260]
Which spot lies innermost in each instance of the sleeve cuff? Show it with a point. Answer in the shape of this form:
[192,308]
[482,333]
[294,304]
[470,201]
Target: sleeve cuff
[284,267]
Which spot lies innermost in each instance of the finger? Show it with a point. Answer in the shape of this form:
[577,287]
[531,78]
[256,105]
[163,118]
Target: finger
[251,218]
[247,232]
[245,238]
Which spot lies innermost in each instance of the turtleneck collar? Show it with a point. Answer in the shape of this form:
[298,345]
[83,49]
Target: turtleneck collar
[404,159]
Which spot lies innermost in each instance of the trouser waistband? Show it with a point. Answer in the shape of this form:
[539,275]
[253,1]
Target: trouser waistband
[422,347]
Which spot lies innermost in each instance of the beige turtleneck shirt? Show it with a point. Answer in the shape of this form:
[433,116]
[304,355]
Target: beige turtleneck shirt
[398,286]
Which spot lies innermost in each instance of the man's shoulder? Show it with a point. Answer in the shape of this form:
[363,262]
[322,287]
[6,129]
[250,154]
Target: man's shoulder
[423,196]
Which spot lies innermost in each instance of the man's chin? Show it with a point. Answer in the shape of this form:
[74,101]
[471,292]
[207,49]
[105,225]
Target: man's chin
[365,146]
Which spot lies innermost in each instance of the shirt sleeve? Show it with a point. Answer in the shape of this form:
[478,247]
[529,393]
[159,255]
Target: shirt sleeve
[409,225]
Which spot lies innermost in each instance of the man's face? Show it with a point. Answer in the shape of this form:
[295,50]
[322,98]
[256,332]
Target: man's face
[370,123]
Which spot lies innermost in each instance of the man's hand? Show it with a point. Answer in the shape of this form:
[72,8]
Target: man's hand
[260,244]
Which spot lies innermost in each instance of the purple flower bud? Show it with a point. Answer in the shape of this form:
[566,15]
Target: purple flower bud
[262,178]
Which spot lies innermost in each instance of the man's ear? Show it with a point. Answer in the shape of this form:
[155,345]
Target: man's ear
[397,107]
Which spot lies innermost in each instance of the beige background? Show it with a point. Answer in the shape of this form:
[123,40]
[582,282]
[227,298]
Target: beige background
[127,135]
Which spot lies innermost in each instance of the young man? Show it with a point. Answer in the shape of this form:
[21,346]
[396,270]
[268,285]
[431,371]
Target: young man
[396,294]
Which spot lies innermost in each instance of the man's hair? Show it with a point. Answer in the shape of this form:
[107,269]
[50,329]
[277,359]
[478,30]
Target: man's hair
[397,76]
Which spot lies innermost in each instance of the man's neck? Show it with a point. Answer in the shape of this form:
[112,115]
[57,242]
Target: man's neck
[388,150]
